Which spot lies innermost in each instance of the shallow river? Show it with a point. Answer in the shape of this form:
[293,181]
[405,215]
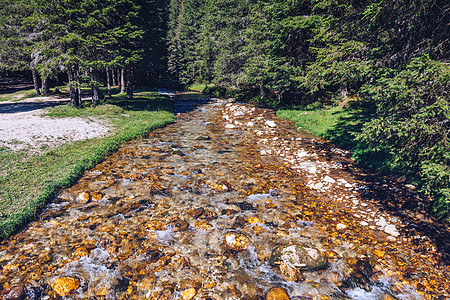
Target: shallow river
[194,211]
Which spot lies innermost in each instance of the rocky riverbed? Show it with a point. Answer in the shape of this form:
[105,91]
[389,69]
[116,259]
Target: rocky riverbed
[229,202]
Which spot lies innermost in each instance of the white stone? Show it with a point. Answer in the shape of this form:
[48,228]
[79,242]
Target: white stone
[263,152]
[302,153]
[340,226]
[363,223]
[312,170]
[348,185]
[355,202]
[328,179]
[271,124]
[390,229]
[226,117]
[230,126]
[381,223]
[318,186]
[250,124]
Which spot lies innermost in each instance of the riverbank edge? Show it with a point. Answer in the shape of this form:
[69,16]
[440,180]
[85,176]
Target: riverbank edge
[326,118]
[101,148]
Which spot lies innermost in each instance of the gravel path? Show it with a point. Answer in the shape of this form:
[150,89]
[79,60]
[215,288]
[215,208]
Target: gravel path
[22,125]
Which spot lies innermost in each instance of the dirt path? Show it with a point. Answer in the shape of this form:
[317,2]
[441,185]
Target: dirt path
[22,125]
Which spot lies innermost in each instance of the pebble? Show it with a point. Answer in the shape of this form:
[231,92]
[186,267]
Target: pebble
[236,241]
[328,179]
[363,223]
[277,293]
[230,126]
[340,226]
[84,197]
[390,229]
[381,223]
[16,293]
[271,124]
[188,294]
[63,286]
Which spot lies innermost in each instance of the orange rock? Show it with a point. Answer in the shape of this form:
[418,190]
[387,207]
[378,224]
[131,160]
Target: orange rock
[80,252]
[290,273]
[84,197]
[180,225]
[378,253]
[96,197]
[63,286]
[205,226]
[253,220]
[188,294]
[277,293]
[236,241]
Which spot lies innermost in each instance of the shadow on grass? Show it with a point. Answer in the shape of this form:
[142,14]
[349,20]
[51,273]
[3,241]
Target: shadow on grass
[145,101]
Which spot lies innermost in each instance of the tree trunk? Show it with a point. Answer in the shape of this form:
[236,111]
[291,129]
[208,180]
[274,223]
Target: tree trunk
[262,92]
[74,96]
[114,76]
[45,87]
[122,81]
[108,80]
[344,91]
[129,83]
[78,81]
[95,86]
[35,81]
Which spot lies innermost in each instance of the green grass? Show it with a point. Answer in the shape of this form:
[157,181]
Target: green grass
[340,124]
[17,96]
[27,183]
[199,87]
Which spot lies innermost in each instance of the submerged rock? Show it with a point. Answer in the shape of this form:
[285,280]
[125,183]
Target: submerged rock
[297,256]
[63,286]
[16,293]
[277,293]
[291,273]
[188,294]
[236,241]
[84,197]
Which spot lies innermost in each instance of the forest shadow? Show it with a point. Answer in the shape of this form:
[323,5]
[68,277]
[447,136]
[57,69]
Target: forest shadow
[145,101]
[387,190]
[11,108]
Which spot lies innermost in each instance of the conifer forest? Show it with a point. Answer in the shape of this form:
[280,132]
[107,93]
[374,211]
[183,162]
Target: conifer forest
[392,55]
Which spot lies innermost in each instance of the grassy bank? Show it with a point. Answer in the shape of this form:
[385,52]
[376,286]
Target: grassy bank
[340,124]
[28,182]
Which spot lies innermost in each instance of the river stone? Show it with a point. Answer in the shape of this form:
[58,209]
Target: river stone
[188,294]
[277,293]
[390,229]
[180,225]
[290,273]
[84,197]
[16,293]
[63,286]
[271,124]
[303,257]
[197,212]
[236,241]
[96,197]
[201,225]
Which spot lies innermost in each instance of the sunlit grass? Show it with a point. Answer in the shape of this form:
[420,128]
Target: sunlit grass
[17,96]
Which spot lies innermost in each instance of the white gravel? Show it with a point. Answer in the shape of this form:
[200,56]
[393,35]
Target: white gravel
[23,127]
